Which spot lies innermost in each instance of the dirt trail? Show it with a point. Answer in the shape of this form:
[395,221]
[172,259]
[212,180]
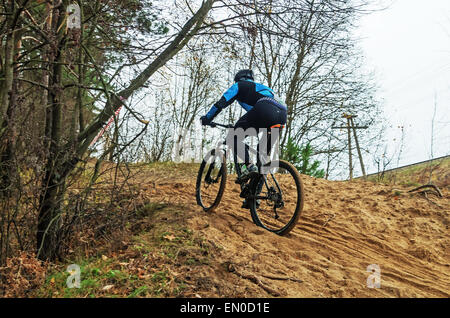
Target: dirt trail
[344,228]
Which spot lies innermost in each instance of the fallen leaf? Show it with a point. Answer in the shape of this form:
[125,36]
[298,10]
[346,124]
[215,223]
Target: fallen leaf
[107,287]
[104,257]
[169,237]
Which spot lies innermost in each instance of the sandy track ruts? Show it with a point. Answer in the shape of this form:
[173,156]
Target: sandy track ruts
[344,227]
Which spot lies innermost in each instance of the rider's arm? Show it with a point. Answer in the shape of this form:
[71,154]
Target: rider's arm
[227,99]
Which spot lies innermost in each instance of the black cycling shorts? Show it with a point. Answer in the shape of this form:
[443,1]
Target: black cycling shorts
[266,113]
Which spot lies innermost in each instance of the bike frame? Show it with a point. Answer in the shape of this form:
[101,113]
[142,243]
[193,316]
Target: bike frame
[238,167]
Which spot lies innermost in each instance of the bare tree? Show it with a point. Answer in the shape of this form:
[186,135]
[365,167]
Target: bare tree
[90,66]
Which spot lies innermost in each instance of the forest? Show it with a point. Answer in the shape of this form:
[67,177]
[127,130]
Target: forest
[89,86]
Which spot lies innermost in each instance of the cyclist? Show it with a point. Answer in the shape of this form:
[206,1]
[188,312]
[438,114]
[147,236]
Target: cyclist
[262,111]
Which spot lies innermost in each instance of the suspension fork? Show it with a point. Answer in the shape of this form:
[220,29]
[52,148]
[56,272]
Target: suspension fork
[210,169]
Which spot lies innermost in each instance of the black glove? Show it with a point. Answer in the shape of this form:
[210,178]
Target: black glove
[205,120]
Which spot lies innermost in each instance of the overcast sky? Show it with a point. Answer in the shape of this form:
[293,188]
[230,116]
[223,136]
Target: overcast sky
[408,46]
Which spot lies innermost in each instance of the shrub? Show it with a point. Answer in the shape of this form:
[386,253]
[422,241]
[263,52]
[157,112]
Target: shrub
[301,158]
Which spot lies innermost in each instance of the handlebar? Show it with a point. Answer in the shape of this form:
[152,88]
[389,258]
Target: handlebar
[220,125]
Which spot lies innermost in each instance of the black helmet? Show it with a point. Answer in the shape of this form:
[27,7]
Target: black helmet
[243,74]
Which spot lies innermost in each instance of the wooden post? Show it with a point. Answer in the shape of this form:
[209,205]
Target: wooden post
[363,170]
[351,126]
[350,161]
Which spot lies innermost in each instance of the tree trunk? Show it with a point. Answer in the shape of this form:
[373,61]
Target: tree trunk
[49,218]
[53,181]
[62,159]
[7,97]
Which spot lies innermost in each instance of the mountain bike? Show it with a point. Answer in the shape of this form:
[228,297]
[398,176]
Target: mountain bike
[275,197]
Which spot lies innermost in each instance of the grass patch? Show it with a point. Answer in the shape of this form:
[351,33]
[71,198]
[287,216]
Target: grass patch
[93,276]
[418,175]
[152,265]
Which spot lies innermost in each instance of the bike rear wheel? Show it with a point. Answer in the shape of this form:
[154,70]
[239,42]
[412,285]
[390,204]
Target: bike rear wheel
[277,205]
[211,181]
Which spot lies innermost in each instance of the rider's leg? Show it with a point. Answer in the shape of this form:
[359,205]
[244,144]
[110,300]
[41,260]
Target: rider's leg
[262,115]
[244,127]
[268,115]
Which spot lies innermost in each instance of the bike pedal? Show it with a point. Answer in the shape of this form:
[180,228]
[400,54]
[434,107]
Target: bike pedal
[245,192]
[247,177]
[246,204]
[242,180]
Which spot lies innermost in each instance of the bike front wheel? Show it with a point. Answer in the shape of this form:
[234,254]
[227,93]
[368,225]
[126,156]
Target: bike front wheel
[278,198]
[211,181]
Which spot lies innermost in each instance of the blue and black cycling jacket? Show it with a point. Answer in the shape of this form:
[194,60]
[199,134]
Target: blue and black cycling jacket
[246,93]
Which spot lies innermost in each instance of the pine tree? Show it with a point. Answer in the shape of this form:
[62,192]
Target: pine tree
[301,158]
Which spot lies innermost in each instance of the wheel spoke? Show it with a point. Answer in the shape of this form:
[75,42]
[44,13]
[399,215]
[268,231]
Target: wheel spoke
[281,200]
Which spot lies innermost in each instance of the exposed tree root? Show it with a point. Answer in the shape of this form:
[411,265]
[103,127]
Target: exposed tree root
[426,186]
[328,221]
[254,279]
[257,281]
[292,279]
[428,199]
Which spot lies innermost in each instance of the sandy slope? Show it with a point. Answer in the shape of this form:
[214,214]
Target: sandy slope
[344,227]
